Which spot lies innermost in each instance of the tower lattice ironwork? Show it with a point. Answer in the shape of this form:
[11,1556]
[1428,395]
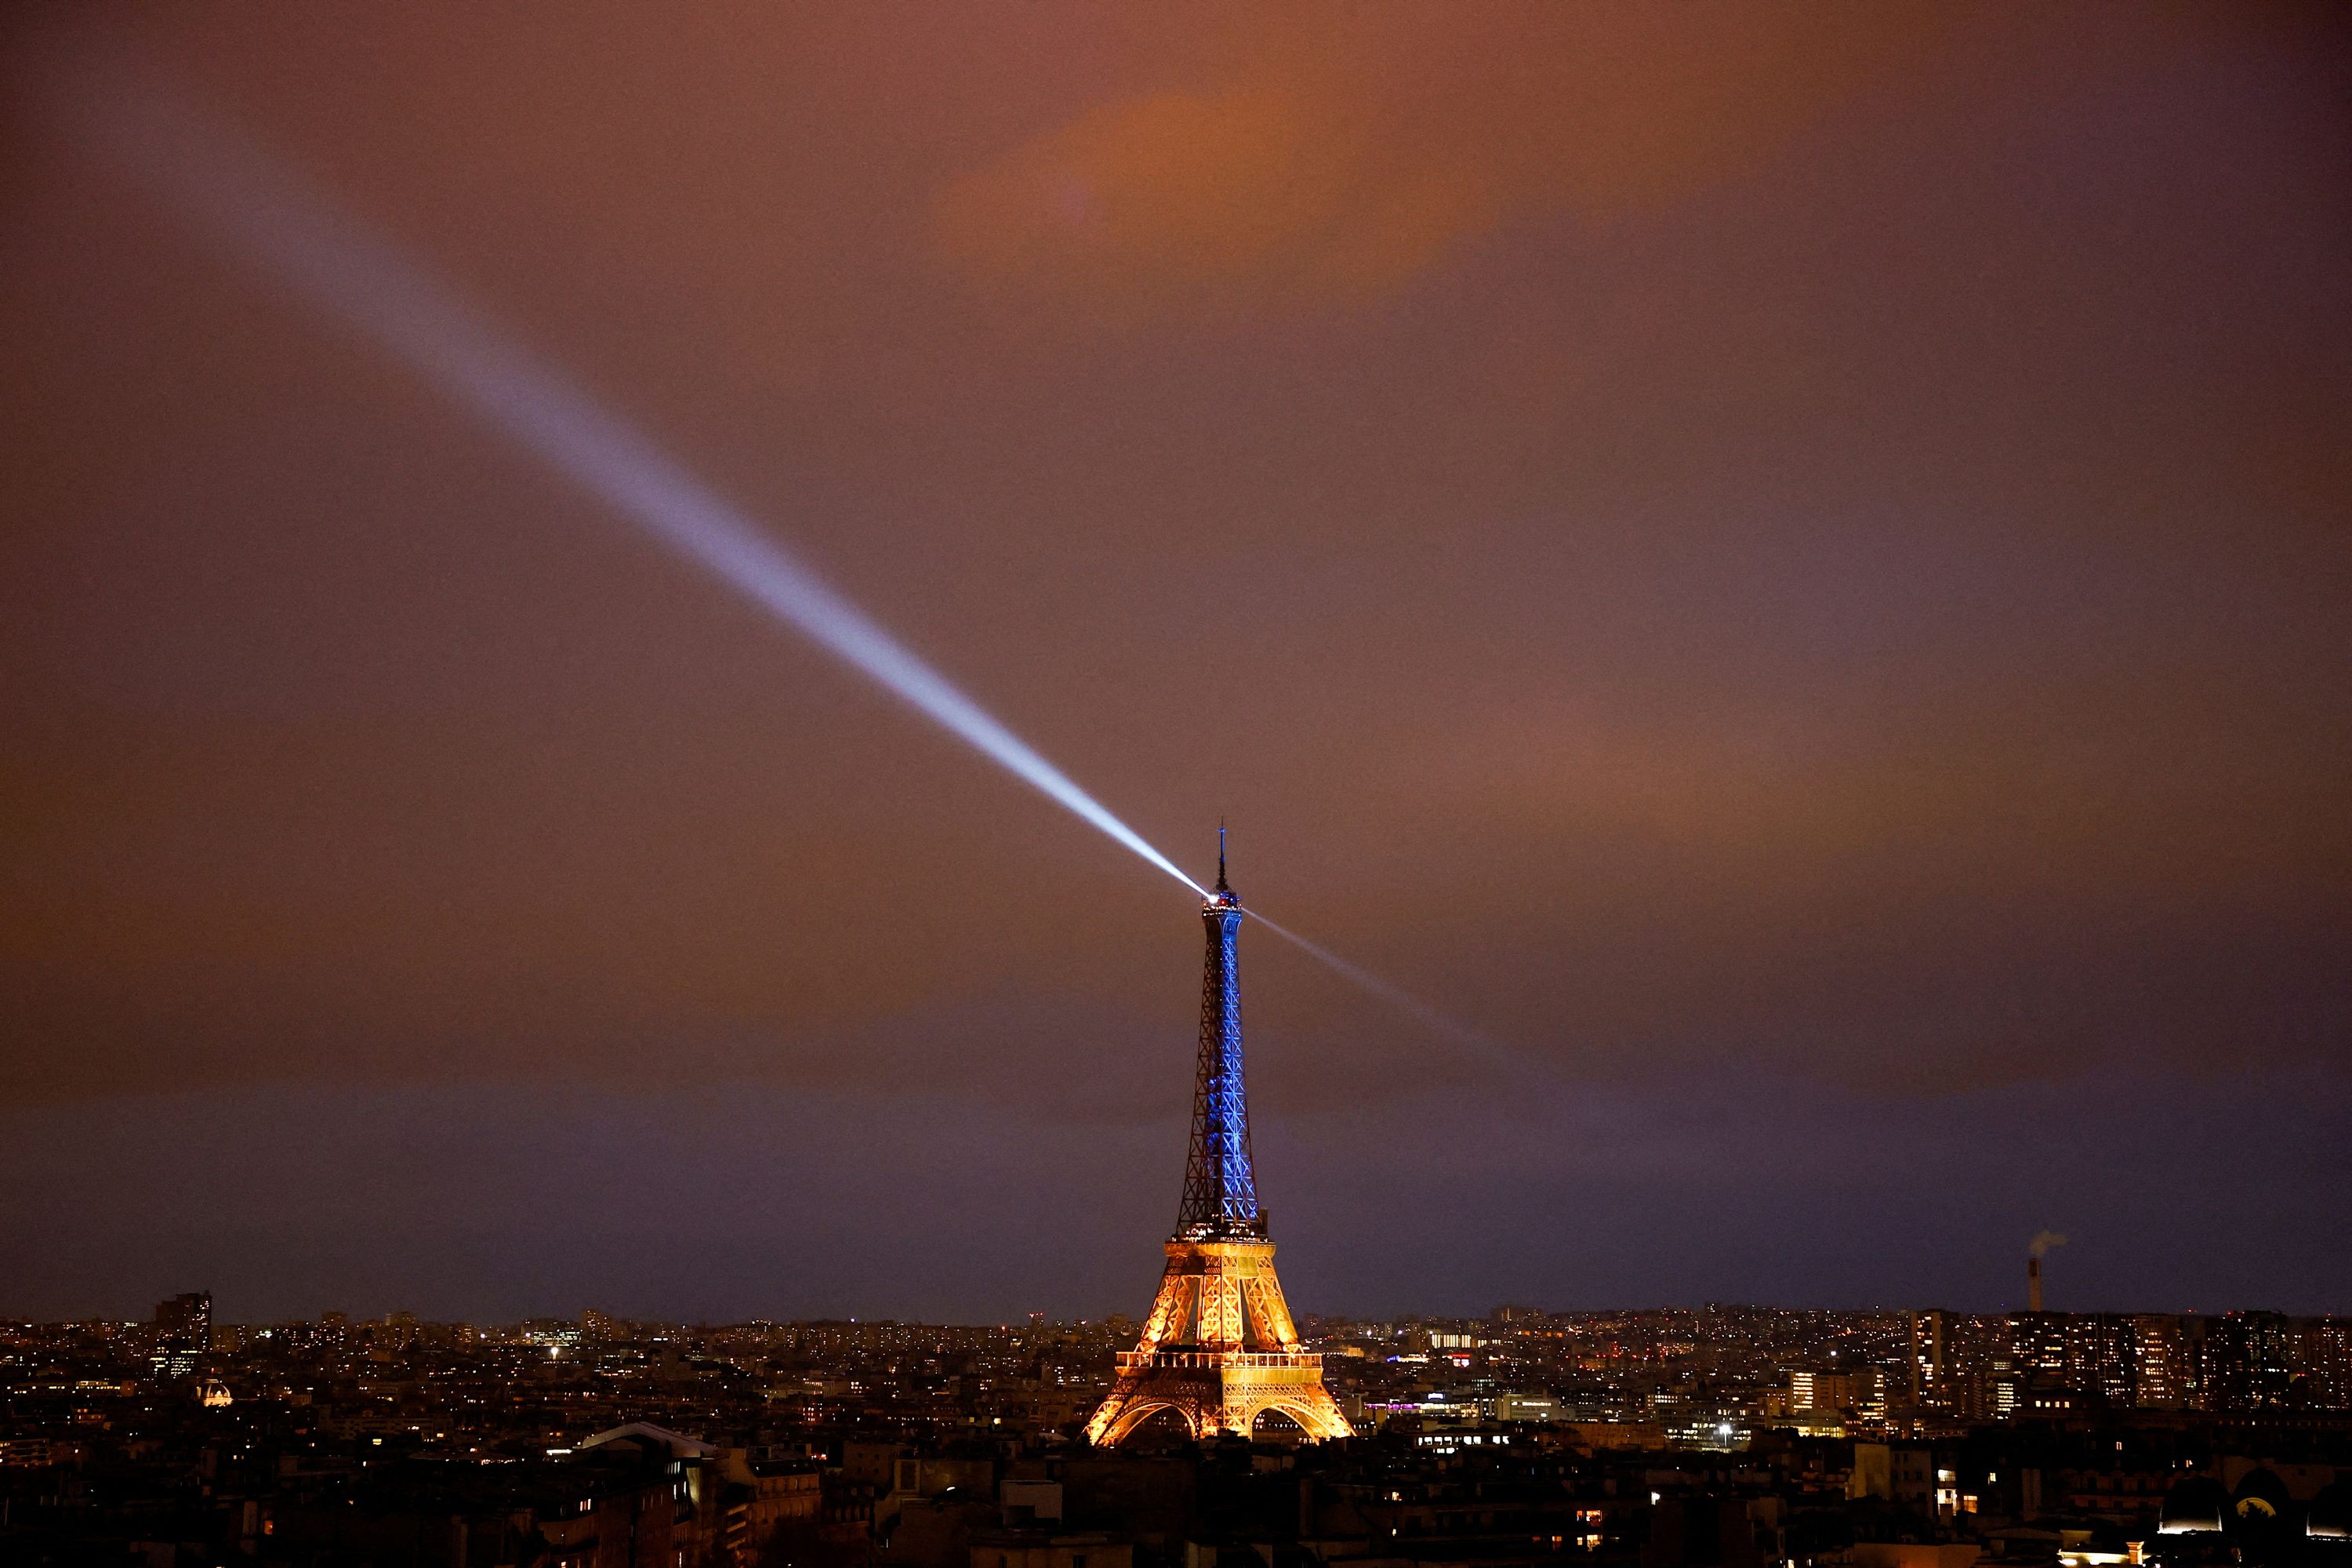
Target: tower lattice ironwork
[1220,1189]
[1219,1349]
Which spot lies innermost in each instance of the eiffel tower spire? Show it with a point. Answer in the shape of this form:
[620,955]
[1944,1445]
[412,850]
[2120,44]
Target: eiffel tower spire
[1219,1188]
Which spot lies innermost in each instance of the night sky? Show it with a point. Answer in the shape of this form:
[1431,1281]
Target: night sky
[1788,564]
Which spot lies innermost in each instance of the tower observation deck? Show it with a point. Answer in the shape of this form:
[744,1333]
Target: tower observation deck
[1219,1349]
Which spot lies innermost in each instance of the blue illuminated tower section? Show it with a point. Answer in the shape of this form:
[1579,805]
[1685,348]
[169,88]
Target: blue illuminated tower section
[1219,1192]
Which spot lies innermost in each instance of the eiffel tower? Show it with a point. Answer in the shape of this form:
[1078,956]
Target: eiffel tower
[1219,1349]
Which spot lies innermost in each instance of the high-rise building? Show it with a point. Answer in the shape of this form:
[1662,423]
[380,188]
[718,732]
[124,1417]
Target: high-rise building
[2164,1363]
[2101,1355]
[2027,1371]
[2037,1343]
[183,1332]
[2323,1355]
[1219,1349]
[1972,1345]
[1927,1359]
[2249,1360]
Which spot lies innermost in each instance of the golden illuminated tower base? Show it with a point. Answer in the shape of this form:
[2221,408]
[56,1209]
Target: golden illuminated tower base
[1219,1351]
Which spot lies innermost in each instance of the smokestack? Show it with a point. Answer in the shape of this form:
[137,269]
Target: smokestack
[2034,1251]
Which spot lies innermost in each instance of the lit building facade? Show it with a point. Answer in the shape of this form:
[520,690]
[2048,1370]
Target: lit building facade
[183,1333]
[2164,1363]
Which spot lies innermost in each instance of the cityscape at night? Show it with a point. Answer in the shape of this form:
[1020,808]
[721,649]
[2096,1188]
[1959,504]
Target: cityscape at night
[1719,1434]
[645,649]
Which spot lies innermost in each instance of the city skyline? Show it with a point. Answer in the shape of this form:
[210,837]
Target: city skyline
[1721,1439]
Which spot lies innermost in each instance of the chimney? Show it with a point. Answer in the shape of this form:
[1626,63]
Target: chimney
[2033,1284]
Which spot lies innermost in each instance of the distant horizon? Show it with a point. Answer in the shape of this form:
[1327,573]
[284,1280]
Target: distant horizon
[496,1202]
[361,1319]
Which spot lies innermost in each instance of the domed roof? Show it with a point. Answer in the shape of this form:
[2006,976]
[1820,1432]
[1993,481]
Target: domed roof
[2195,1504]
[2331,1511]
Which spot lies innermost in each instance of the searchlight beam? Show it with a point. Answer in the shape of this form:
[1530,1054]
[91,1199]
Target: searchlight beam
[244,202]
[249,205]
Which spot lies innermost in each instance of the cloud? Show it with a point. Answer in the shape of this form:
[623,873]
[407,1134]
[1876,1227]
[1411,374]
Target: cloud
[1320,166]
[1174,193]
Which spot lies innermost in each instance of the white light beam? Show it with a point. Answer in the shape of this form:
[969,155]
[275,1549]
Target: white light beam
[246,203]
[249,205]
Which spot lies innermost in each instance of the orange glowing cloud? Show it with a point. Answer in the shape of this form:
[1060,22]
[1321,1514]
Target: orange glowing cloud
[1340,165]
[1173,192]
